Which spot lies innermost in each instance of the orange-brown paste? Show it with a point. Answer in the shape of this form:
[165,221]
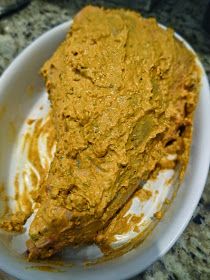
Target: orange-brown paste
[123,92]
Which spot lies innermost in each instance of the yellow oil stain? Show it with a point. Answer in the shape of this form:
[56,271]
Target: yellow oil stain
[167,201]
[158,215]
[2,111]
[17,192]
[30,121]
[34,193]
[143,195]
[169,182]
[12,131]
[25,200]
[46,268]
[30,89]
[4,200]
[25,141]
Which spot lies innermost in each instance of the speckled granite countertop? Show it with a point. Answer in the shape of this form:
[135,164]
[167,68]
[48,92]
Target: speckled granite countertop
[190,257]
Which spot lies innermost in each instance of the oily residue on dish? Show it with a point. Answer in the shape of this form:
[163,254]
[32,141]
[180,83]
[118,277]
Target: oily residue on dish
[12,131]
[46,268]
[38,145]
[40,162]
[2,111]
[29,179]
[123,222]
[4,201]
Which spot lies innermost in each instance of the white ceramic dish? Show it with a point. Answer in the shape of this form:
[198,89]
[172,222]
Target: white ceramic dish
[14,83]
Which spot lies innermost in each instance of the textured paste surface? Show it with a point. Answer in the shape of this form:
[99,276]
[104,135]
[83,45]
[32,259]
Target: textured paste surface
[123,92]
